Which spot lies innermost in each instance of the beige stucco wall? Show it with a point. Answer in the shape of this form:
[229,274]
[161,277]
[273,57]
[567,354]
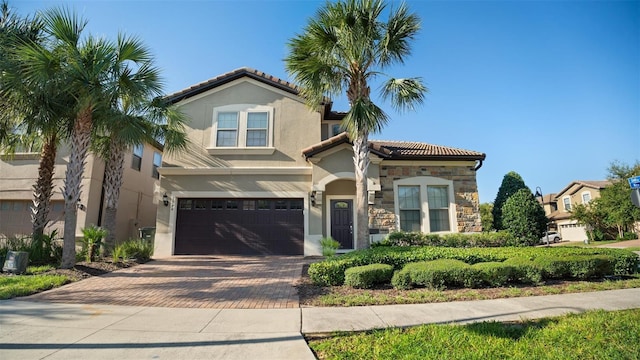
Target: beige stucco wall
[136,207]
[294,127]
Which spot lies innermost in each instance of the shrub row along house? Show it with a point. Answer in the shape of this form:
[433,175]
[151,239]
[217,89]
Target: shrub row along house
[264,174]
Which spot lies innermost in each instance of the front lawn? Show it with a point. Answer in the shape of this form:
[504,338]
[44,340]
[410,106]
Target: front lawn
[23,285]
[592,335]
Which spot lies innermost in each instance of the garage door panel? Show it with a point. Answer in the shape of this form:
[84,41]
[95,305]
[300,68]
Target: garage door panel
[240,226]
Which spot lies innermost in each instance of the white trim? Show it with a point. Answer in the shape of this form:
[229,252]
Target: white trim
[424,182]
[355,217]
[284,170]
[564,205]
[241,150]
[241,136]
[346,175]
[582,194]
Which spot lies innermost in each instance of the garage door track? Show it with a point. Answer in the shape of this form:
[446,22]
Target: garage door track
[221,282]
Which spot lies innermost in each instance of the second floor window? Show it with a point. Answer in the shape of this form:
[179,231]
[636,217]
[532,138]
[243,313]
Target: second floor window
[586,197]
[242,126]
[157,162]
[136,162]
[567,203]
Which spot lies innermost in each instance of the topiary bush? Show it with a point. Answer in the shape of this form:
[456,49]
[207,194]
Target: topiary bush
[365,277]
[524,270]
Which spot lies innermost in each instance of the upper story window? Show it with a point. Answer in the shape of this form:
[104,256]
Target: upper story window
[567,203]
[586,197]
[136,161]
[157,162]
[331,129]
[242,128]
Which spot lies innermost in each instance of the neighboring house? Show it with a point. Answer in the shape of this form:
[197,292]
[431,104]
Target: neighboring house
[264,174]
[577,192]
[136,208]
[550,205]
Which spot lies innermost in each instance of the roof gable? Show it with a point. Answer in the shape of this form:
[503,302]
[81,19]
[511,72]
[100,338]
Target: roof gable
[229,77]
[577,185]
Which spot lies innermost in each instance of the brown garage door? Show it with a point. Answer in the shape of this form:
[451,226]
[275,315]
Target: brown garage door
[240,227]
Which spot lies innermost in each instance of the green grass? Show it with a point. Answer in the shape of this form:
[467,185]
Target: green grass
[592,335]
[22,285]
[352,297]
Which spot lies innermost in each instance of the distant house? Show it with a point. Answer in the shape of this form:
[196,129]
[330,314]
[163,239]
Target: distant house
[559,206]
[137,205]
[264,174]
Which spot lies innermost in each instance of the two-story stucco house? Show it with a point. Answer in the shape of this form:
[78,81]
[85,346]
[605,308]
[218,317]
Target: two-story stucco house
[264,174]
[137,203]
[577,192]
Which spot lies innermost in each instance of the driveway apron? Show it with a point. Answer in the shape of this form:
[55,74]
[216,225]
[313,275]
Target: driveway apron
[221,282]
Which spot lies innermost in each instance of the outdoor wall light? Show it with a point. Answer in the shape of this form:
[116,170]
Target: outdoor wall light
[165,199]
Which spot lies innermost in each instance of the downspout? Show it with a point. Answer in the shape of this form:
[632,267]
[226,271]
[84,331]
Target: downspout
[478,165]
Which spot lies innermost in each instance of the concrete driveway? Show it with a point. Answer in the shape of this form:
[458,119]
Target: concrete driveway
[220,282]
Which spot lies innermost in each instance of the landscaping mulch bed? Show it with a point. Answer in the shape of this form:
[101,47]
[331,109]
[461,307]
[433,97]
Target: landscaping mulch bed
[83,270]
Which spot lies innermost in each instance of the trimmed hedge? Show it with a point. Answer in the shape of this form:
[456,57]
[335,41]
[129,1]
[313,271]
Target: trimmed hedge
[495,274]
[364,277]
[437,274]
[460,240]
[331,271]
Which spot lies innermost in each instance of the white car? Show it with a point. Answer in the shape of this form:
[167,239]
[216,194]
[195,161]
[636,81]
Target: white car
[554,237]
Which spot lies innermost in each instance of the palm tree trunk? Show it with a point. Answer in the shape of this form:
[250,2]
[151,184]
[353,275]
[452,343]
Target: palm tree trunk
[114,169]
[43,188]
[361,162]
[80,141]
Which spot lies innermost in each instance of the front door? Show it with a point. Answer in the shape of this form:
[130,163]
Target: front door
[342,222]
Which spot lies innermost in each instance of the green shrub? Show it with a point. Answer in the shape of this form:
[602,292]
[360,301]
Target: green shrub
[92,241]
[329,246]
[401,280]
[42,251]
[439,274]
[524,270]
[331,271]
[553,267]
[584,267]
[489,239]
[494,274]
[138,249]
[364,277]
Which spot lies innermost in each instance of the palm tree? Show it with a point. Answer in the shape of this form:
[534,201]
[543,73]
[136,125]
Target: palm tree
[33,108]
[343,50]
[133,122]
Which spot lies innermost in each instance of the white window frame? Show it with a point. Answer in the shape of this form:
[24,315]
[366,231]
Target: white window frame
[566,200]
[154,169]
[424,182]
[588,193]
[241,145]
[137,153]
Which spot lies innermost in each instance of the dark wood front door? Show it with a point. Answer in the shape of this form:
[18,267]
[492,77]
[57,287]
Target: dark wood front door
[342,222]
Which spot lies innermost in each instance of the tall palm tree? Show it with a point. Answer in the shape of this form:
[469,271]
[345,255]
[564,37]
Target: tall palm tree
[342,50]
[134,121]
[33,108]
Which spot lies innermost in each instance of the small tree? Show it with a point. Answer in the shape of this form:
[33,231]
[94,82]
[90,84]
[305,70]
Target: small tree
[524,217]
[486,216]
[616,198]
[511,183]
[592,217]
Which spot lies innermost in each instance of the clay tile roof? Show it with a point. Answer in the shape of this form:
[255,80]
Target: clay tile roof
[231,76]
[410,149]
[401,150]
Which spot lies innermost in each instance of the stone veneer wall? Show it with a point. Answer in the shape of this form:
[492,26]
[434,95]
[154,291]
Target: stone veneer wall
[382,213]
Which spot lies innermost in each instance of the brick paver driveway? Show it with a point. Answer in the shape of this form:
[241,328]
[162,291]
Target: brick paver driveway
[222,282]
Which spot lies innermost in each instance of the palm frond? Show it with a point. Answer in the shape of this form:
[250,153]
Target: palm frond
[404,94]
[364,117]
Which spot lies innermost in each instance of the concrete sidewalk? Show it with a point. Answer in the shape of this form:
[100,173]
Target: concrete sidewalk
[30,330]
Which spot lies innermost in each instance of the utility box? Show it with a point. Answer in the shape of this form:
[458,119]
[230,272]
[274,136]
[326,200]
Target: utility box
[16,262]
[147,233]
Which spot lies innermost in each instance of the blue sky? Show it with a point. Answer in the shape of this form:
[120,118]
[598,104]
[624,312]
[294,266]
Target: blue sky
[549,89]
